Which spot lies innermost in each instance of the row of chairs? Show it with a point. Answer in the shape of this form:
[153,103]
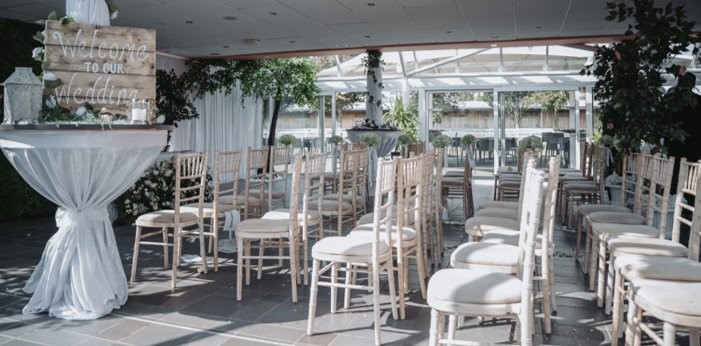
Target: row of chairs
[191,216]
[628,258]
[493,275]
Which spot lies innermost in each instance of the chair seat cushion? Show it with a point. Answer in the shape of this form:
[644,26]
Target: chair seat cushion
[659,268]
[480,225]
[660,297]
[207,208]
[453,172]
[260,226]
[454,286]
[359,200]
[508,238]
[452,182]
[516,183]
[487,254]
[328,205]
[506,213]
[408,234]
[608,231]
[276,194]
[580,185]
[585,209]
[647,246]
[369,217]
[164,217]
[240,200]
[498,204]
[616,217]
[346,246]
[284,214]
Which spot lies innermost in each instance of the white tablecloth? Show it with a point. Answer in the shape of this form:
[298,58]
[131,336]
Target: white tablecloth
[80,274]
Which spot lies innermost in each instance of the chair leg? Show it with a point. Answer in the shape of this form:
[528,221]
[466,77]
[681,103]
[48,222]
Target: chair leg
[261,252]
[392,291]
[376,301]
[347,291]
[215,240]
[402,286]
[601,275]
[547,305]
[435,327]
[669,331]
[593,261]
[334,290]
[239,268]
[177,245]
[294,271]
[617,313]
[610,282]
[135,255]
[203,251]
[423,274]
[313,291]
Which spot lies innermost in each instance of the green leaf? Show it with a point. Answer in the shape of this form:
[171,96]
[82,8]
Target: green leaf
[52,15]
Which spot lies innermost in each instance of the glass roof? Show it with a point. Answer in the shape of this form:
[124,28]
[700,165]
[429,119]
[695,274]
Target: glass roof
[463,68]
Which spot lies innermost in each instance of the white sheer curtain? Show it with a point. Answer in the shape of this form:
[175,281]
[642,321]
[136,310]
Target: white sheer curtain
[224,124]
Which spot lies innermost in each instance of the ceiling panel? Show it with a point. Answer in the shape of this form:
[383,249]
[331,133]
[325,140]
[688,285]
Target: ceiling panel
[346,24]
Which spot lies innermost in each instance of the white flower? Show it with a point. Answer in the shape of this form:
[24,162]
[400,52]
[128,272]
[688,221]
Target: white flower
[81,111]
[49,76]
[160,119]
[50,102]
[89,115]
[37,52]
[114,15]
[168,173]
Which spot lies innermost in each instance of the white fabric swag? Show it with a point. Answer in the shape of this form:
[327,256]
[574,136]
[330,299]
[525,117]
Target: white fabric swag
[80,274]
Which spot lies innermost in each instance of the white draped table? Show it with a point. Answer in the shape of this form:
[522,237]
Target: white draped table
[81,169]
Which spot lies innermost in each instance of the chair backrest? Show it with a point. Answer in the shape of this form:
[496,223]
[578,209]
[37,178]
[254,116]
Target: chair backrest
[530,221]
[385,187]
[190,181]
[550,200]
[528,160]
[294,199]
[256,166]
[227,170]
[629,179]
[279,165]
[314,168]
[409,195]
[467,184]
[660,182]
[684,210]
[428,184]
[597,170]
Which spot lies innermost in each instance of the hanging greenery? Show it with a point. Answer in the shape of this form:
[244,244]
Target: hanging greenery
[630,76]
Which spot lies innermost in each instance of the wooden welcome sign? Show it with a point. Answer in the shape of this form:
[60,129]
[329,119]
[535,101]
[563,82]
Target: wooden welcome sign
[106,66]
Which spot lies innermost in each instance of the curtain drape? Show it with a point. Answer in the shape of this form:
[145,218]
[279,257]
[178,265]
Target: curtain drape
[225,123]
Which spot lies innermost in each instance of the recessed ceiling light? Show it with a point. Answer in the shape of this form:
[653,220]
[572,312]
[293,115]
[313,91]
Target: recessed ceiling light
[272,13]
[252,42]
[494,37]
[292,41]
[229,18]
[367,36]
[188,22]
[371,4]
[214,54]
[538,27]
[225,46]
[449,31]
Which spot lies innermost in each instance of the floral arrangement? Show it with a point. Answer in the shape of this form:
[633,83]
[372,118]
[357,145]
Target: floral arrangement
[286,139]
[335,140]
[153,191]
[530,142]
[468,139]
[406,139]
[369,124]
[442,141]
[371,139]
[613,179]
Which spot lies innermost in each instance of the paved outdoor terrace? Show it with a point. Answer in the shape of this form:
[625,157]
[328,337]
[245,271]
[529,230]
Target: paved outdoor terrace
[203,309]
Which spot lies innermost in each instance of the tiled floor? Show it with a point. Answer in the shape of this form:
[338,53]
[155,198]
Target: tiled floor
[203,309]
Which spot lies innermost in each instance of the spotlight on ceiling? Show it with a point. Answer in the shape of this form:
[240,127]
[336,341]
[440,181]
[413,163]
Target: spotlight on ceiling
[252,42]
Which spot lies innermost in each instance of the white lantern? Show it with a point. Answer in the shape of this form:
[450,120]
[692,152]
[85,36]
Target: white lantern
[22,96]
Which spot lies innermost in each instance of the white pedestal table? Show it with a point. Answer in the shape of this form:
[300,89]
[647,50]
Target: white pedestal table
[81,168]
